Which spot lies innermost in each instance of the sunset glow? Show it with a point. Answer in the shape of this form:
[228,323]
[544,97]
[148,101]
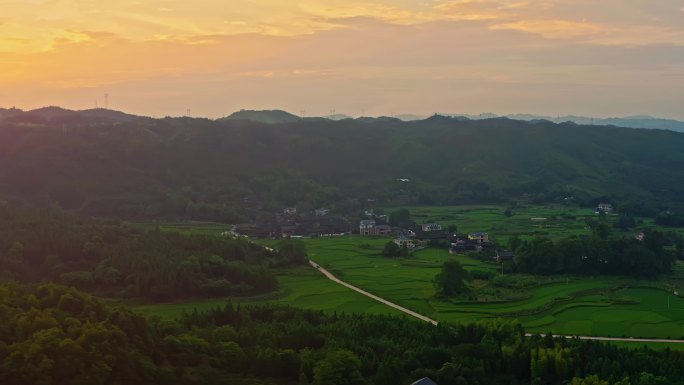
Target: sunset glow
[162,57]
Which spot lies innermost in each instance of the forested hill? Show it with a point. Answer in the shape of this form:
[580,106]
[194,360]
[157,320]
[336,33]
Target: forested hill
[56,335]
[204,169]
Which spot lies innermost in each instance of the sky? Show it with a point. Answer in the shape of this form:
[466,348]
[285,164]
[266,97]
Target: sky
[599,58]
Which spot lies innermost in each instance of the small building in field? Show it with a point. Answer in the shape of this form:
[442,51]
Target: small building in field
[367,227]
[382,229]
[431,227]
[479,237]
[605,207]
[504,256]
[405,242]
[463,245]
[290,211]
[253,230]
[288,231]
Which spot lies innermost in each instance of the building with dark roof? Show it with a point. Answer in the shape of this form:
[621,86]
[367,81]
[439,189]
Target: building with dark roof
[504,256]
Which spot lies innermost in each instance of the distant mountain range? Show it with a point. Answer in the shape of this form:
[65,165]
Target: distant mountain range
[639,121]
[279,116]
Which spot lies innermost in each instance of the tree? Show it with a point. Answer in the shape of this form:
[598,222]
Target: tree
[390,372]
[15,254]
[602,231]
[340,367]
[451,280]
[292,252]
[391,250]
[400,217]
[625,221]
[513,243]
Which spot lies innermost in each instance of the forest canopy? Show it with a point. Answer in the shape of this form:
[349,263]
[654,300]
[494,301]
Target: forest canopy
[54,335]
[121,167]
[116,259]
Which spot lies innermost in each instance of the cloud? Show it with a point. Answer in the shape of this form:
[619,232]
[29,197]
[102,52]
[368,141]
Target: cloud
[552,29]
[478,9]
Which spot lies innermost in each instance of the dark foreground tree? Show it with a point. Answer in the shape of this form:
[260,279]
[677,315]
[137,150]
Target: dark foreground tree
[452,279]
[340,367]
[392,250]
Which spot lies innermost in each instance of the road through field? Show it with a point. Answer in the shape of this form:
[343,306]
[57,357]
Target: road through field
[331,277]
[372,296]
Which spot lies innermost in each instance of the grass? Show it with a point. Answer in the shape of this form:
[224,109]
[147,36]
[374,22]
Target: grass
[650,316]
[555,221]
[305,288]
[562,305]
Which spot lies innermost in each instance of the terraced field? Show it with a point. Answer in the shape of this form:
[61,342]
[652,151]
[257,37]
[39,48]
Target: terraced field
[654,314]
[556,221]
[582,306]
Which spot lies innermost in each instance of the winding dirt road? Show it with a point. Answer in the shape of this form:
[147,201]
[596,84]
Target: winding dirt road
[421,317]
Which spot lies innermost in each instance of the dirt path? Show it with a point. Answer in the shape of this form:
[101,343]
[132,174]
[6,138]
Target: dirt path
[421,317]
[372,296]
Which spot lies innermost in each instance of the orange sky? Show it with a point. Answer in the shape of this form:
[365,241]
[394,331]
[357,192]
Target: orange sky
[162,57]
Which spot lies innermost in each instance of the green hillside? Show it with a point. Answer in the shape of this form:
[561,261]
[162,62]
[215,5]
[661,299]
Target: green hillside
[204,169]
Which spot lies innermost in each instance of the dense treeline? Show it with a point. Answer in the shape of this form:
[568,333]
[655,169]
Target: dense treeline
[197,168]
[593,255]
[109,257]
[54,335]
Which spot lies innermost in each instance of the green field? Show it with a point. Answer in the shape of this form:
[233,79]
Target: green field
[303,287]
[599,306]
[566,305]
[554,221]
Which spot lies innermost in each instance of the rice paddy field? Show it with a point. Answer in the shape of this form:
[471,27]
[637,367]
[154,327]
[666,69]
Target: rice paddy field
[591,306]
[554,221]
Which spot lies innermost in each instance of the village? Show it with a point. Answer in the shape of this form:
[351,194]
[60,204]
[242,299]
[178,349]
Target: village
[408,235]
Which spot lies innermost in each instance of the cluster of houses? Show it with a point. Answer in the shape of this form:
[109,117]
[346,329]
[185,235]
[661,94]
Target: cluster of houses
[416,235]
[604,208]
[292,224]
